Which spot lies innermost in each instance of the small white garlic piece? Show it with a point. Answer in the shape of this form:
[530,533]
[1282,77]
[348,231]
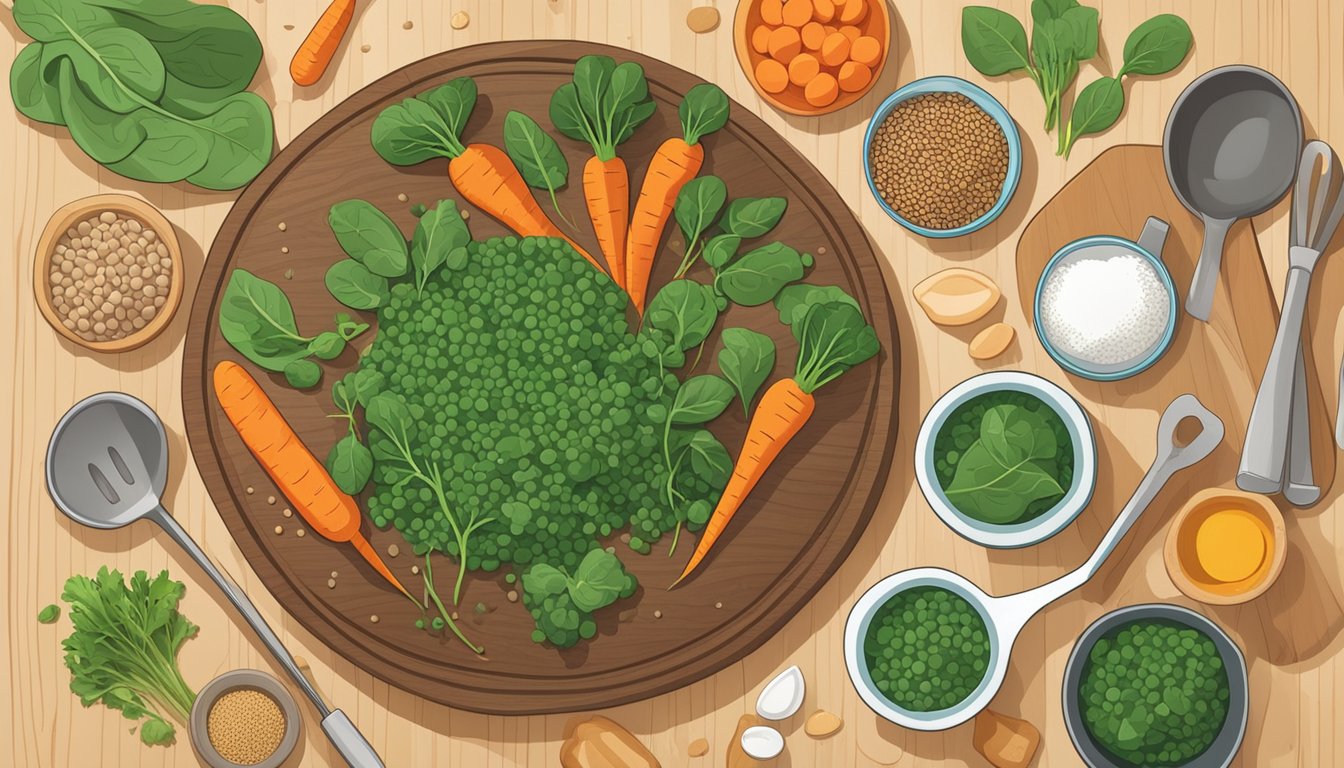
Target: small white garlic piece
[762,742]
[783,696]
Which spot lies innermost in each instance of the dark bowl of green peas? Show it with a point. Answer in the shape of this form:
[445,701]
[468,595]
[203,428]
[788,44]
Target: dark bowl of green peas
[1157,686]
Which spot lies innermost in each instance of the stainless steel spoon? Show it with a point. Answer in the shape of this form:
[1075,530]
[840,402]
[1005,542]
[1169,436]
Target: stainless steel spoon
[107,465]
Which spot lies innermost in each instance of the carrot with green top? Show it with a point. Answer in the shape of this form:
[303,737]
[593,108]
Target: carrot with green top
[603,105]
[832,338]
[677,161]
[430,125]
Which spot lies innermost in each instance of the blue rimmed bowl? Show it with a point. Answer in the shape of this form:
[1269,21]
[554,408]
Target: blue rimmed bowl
[1045,525]
[991,107]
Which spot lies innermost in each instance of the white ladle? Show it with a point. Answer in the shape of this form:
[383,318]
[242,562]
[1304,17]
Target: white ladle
[1005,616]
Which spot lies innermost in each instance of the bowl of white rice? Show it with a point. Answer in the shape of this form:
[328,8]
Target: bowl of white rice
[1106,306]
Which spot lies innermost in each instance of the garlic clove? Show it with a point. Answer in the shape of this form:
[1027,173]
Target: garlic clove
[762,742]
[782,696]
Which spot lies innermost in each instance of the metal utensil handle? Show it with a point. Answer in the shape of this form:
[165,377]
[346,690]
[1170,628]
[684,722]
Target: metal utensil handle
[1264,454]
[354,748]
[1170,459]
[1299,487]
[1199,300]
[241,602]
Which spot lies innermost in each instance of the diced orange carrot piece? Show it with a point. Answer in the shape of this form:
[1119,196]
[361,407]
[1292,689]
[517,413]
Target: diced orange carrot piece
[784,44]
[803,68]
[850,32]
[854,77]
[822,91]
[823,10]
[772,12]
[853,11]
[812,35]
[834,50]
[772,76]
[866,50]
[797,12]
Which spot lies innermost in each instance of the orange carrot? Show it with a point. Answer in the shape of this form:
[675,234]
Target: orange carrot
[430,125]
[310,62]
[832,338]
[603,105]
[677,161]
[296,471]
[606,188]
[488,179]
[783,410]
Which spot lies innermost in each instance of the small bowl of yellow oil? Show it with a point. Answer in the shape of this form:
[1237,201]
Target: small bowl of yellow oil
[1225,546]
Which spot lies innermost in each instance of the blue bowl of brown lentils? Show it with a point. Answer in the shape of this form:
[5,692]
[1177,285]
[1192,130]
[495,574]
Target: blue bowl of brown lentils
[942,157]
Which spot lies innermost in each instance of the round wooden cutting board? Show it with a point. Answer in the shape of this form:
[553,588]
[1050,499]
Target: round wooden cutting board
[793,533]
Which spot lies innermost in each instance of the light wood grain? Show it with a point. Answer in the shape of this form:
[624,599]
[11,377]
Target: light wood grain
[1292,642]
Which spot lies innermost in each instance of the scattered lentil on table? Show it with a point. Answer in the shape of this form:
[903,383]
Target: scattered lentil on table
[109,277]
[939,160]
[927,649]
[245,726]
[460,20]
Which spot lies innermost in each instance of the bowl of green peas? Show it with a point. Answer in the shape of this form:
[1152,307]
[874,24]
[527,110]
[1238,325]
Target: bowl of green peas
[1158,686]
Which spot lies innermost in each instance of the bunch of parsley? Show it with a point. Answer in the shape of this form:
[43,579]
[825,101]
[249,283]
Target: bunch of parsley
[123,651]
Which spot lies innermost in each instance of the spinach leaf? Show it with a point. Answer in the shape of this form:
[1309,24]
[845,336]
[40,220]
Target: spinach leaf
[302,373]
[49,615]
[536,154]
[328,345]
[598,581]
[709,459]
[697,206]
[753,216]
[350,464]
[155,91]
[1157,46]
[1000,475]
[602,104]
[703,111]
[352,284]
[425,126]
[369,237]
[255,317]
[746,359]
[759,275]
[721,249]
[794,301]
[438,233]
[700,399]
[1044,10]
[685,311]
[832,338]
[543,580]
[995,43]
[387,412]
[1083,24]
[1096,108]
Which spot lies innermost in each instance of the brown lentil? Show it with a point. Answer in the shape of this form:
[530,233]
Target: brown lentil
[288,512]
[402,197]
[939,160]
[279,530]
[393,550]
[245,726]
[512,595]
[299,533]
[109,277]
[331,583]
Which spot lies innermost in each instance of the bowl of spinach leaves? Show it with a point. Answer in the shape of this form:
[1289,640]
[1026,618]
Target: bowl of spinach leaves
[1006,459]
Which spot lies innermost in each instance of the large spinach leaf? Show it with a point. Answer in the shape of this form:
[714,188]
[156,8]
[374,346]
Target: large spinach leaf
[1005,470]
[746,360]
[759,274]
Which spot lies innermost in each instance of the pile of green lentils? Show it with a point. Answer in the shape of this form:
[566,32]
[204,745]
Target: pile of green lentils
[927,649]
[1154,693]
[533,396]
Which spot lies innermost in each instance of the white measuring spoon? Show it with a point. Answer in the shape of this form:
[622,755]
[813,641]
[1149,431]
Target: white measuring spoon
[1005,616]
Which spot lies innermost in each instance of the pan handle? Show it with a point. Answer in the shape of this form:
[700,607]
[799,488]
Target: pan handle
[1199,300]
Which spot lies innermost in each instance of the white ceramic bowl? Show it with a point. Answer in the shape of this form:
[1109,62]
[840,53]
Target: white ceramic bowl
[1043,526]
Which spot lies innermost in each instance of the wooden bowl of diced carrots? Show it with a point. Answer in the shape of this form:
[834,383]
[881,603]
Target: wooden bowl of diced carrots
[812,57]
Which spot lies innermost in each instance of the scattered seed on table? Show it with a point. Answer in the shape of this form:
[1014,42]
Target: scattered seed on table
[512,595]
[657,614]
[365,48]
[288,512]
[821,250]
[299,533]
[289,274]
[270,499]
[289,27]
[718,605]
[703,19]
[331,583]
[460,20]
[284,249]
[374,618]
[415,569]
[393,550]
[334,574]
[455,616]
[408,25]
[251,490]
[279,530]
[939,160]
[283,226]
[466,214]
[402,197]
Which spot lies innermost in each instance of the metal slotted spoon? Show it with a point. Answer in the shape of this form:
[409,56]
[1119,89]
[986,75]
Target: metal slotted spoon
[1318,206]
[107,466]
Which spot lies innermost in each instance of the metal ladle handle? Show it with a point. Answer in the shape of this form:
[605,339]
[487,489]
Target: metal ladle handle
[1170,459]
[348,741]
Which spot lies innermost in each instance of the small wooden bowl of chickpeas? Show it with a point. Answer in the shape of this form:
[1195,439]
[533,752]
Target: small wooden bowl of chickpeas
[108,275]
[812,57]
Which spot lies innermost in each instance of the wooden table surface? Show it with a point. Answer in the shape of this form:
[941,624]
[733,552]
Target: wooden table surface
[1291,636]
